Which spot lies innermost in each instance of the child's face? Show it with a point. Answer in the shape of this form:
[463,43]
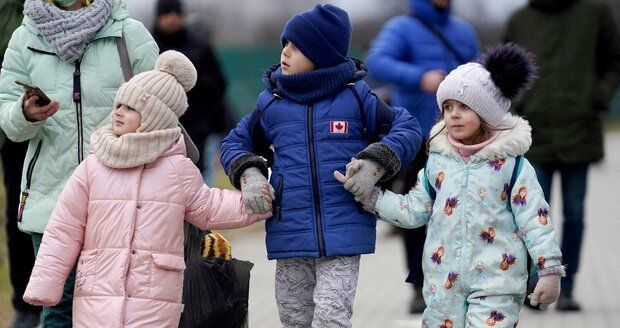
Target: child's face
[293,61]
[461,121]
[125,120]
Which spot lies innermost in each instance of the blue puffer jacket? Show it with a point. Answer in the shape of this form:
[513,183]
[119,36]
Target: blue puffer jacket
[314,216]
[405,49]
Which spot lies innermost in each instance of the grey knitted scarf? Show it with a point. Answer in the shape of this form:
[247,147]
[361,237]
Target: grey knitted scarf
[68,31]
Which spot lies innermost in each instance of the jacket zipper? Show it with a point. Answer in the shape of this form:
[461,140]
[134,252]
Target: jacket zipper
[77,99]
[279,200]
[315,186]
[133,232]
[26,192]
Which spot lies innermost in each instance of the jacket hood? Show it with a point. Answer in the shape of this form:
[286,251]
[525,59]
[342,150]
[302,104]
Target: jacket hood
[425,10]
[551,6]
[512,142]
[270,82]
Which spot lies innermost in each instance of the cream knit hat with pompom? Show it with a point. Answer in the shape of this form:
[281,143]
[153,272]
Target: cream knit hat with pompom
[160,95]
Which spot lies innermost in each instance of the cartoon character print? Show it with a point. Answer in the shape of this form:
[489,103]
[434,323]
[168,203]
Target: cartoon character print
[436,256]
[495,317]
[451,204]
[541,262]
[446,324]
[483,197]
[519,198]
[439,180]
[507,261]
[543,216]
[488,235]
[452,278]
[497,164]
[504,194]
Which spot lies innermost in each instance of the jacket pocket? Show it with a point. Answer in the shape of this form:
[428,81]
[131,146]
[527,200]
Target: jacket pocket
[279,199]
[166,281]
[86,273]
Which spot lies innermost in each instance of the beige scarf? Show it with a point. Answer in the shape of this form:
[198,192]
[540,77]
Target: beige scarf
[132,149]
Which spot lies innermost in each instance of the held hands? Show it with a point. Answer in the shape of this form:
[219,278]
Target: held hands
[361,177]
[35,113]
[258,194]
[546,292]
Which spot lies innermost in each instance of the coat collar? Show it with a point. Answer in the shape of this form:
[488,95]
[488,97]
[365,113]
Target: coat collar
[509,143]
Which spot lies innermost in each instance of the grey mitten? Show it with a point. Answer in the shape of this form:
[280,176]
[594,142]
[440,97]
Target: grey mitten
[546,292]
[252,184]
[361,183]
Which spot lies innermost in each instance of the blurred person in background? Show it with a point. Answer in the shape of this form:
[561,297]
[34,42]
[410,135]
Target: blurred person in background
[207,115]
[577,46]
[67,48]
[413,53]
[19,244]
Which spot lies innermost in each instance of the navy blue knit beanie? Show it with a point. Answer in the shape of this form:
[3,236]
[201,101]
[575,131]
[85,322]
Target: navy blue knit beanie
[322,34]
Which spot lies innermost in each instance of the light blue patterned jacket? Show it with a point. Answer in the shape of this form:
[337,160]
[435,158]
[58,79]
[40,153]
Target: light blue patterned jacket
[476,240]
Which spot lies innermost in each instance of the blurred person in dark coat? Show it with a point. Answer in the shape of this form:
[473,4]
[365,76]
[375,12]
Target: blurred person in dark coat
[577,46]
[21,254]
[207,115]
[413,53]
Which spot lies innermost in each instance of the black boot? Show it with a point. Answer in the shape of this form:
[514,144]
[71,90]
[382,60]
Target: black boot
[417,304]
[566,303]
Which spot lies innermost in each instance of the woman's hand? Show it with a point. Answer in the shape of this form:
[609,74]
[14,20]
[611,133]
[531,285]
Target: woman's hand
[36,113]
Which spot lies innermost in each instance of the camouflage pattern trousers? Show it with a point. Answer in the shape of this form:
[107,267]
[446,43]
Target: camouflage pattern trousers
[313,292]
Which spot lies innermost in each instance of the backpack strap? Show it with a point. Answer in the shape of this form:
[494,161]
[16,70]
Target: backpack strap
[441,38]
[431,191]
[260,144]
[384,116]
[513,178]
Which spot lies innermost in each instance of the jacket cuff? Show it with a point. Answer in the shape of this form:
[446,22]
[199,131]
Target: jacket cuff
[244,162]
[383,155]
[556,269]
[20,128]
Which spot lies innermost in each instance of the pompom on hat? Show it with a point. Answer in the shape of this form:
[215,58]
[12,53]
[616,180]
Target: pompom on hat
[489,86]
[160,95]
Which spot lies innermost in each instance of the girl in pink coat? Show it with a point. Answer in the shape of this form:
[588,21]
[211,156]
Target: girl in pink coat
[121,213]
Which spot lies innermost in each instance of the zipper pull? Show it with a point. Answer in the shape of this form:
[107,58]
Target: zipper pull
[22,204]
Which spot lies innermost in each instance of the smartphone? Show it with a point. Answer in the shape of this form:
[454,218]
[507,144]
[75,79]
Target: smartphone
[43,99]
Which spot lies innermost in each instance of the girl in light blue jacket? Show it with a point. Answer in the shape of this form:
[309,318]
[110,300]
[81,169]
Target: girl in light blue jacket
[484,207]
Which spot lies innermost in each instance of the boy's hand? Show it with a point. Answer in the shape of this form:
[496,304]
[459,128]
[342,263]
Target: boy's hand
[258,194]
[546,292]
[363,180]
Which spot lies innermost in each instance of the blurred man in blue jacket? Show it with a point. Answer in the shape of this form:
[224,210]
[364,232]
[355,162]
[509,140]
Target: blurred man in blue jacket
[413,53]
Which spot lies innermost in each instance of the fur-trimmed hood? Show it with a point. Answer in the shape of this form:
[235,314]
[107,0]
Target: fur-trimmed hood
[513,142]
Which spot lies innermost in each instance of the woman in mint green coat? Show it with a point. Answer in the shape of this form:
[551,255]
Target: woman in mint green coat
[67,48]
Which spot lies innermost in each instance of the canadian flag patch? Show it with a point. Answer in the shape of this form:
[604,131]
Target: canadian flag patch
[338,127]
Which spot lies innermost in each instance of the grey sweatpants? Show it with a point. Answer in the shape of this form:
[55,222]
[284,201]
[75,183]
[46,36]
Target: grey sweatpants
[315,293]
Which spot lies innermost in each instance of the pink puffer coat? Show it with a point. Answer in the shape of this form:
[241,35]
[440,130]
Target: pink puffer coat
[126,226]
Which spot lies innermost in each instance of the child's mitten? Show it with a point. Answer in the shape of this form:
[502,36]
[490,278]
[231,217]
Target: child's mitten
[546,292]
[252,184]
[361,183]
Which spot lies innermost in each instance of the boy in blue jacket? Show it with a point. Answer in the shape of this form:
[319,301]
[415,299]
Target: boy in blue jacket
[314,115]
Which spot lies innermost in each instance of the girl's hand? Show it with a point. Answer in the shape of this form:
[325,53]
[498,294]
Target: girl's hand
[546,292]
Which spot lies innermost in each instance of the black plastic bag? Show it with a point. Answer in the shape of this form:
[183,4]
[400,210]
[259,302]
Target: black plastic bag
[215,291]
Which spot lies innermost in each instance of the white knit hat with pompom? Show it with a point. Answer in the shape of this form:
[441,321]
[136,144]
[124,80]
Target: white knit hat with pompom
[160,95]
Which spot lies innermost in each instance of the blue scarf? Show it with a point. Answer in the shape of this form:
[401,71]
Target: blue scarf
[313,85]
